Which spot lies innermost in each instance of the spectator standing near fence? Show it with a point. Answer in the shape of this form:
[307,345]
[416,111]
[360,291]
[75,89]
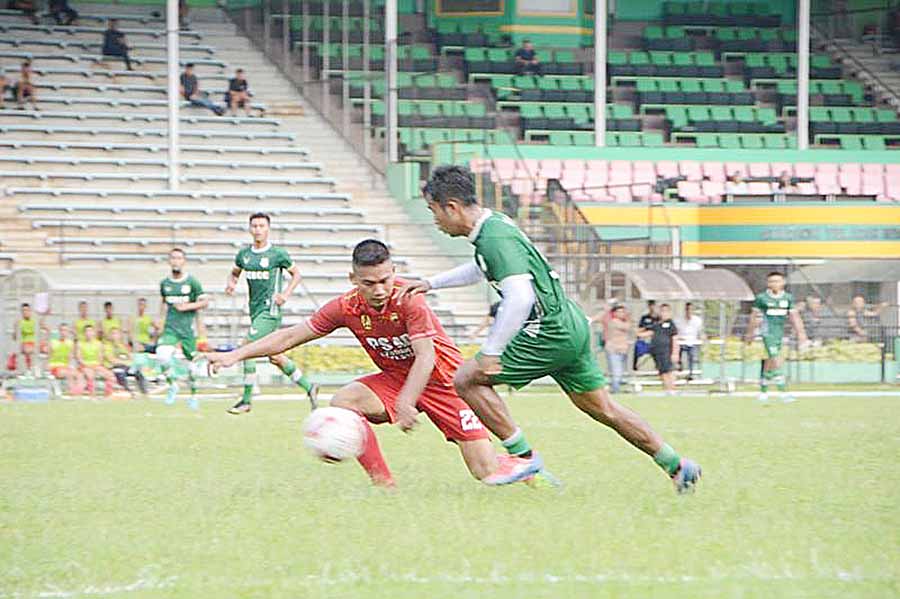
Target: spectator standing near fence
[864,321]
[617,339]
[644,333]
[816,319]
[690,338]
[526,60]
[190,91]
[115,44]
[664,347]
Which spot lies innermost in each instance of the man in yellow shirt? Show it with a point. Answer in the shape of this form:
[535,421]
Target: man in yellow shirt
[89,354]
[61,348]
[83,321]
[25,333]
[142,333]
[109,322]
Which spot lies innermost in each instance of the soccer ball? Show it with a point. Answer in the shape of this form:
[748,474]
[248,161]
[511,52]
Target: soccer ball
[334,434]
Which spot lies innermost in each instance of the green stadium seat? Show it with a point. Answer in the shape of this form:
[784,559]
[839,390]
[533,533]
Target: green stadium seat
[752,142]
[582,138]
[819,114]
[698,114]
[873,142]
[775,142]
[652,139]
[691,86]
[617,58]
[851,142]
[530,111]
[668,85]
[564,56]
[863,115]
[653,32]
[646,85]
[883,115]
[560,138]
[721,113]
[638,58]
[730,142]
[660,58]
[744,114]
[841,115]
[629,139]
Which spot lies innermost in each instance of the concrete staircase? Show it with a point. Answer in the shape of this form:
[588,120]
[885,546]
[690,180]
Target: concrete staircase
[863,62]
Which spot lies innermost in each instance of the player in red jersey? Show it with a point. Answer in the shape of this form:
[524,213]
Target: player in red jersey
[416,357]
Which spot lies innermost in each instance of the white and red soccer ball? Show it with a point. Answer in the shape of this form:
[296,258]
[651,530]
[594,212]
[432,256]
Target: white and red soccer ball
[334,434]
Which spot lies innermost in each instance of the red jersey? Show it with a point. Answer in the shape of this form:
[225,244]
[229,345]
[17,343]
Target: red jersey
[387,334]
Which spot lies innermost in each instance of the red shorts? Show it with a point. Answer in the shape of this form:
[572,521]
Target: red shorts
[28,347]
[59,372]
[442,405]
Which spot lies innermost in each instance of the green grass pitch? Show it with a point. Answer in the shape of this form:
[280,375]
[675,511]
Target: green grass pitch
[136,499]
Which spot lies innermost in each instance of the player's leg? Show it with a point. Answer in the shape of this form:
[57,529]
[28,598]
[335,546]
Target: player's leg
[771,368]
[363,399]
[189,349]
[109,380]
[28,355]
[89,382]
[165,355]
[293,372]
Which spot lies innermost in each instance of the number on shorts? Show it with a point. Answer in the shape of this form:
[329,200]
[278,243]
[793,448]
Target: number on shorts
[469,421]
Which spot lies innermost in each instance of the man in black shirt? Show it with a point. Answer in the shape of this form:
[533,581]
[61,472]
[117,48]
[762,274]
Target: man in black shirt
[664,347]
[190,91]
[62,13]
[644,333]
[114,43]
[526,60]
[238,93]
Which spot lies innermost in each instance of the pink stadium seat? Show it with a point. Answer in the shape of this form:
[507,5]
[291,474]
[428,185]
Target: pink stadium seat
[619,169]
[504,169]
[690,169]
[760,188]
[618,176]
[873,186]
[714,190]
[760,169]
[850,167]
[827,182]
[870,169]
[572,180]
[480,165]
[714,170]
[893,171]
[573,166]
[596,176]
[807,189]
[780,167]
[805,170]
[644,172]
[551,169]
[521,186]
[851,181]
[621,195]
[732,167]
[598,195]
[667,169]
[643,192]
[827,167]
[691,191]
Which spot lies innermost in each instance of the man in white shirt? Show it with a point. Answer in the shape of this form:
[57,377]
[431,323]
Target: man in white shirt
[690,338]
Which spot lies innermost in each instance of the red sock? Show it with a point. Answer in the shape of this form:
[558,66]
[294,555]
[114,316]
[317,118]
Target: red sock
[372,460]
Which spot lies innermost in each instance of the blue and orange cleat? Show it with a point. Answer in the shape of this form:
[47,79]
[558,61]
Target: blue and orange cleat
[543,480]
[512,469]
[687,476]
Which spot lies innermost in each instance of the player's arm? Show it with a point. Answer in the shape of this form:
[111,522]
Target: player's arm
[416,380]
[797,323]
[270,345]
[515,308]
[853,323]
[233,277]
[294,271]
[676,347]
[461,276]
[199,304]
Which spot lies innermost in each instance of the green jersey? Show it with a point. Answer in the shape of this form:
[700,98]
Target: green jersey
[502,250]
[775,311]
[264,269]
[180,291]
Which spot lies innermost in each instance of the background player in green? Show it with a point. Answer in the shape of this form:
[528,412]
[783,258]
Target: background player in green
[182,297]
[538,331]
[772,307]
[264,264]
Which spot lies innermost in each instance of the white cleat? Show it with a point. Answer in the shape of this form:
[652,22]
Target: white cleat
[763,398]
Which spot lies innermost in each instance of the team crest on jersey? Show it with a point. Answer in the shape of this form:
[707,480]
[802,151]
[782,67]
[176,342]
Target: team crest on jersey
[783,303]
[246,259]
[366,321]
[394,317]
[185,289]
[264,262]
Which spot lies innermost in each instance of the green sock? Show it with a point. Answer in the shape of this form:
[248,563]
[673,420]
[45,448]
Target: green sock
[249,380]
[667,459]
[517,445]
[295,374]
[779,379]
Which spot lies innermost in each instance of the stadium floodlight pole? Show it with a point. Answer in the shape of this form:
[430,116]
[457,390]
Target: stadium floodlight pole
[390,57]
[345,68]
[600,16]
[803,75]
[367,84]
[173,97]
[326,58]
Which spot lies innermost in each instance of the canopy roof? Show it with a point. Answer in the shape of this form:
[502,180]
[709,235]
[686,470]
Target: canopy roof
[846,271]
[679,285]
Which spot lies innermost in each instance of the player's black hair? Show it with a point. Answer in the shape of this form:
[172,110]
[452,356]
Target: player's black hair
[82,303]
[189,65]
[688,305]
[107,304]
[239,71]
[661,306]
[256,215]
[651,303]
[142,299]
[88,326]
[26,305]
[179,250]
[617,307]
[451,182]
[775,273]
[370,252]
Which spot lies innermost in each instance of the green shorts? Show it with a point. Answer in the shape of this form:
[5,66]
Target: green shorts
[188,343]
[772,343]
[261,325]
[561,349]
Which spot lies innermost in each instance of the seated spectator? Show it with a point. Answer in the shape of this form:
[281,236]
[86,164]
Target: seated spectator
[4,85]
[117,358]
[62,13]
[25,87]
[526,60]
[89,354]
[114,43]
[786,183]
[816,319]
[190,91]
[28,8]
[863,321]
[238,94]
[735,185]
[61,347]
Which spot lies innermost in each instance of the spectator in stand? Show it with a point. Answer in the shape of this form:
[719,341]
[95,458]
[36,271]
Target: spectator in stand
[115,44]
[117,358]
[863,321]
[617,339]
[190,91]
[816,319]
[183,14]
[735,184]
[644,333]
[61,349]
[25,333]
[4,85]
[690,338]
[238,94]
[664,348]
[142,332]
[526,60]
[109,322]
[62,13]
[83,321]
[786,183]
[89,355]
[28,8]
[25,87]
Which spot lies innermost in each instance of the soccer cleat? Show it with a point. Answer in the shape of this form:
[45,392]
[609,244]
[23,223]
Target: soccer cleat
[172,394]
[193,403]
[788,398]
[543,480]
[241,407]
[313,396]
[763,397]
[687,476]
[512,469]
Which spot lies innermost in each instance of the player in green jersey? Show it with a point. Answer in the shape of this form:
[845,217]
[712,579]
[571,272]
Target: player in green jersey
[182,297]
[538,332]
[772,308]
[264,264]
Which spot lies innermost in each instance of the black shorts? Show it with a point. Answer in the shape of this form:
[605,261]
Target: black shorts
[663,361]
